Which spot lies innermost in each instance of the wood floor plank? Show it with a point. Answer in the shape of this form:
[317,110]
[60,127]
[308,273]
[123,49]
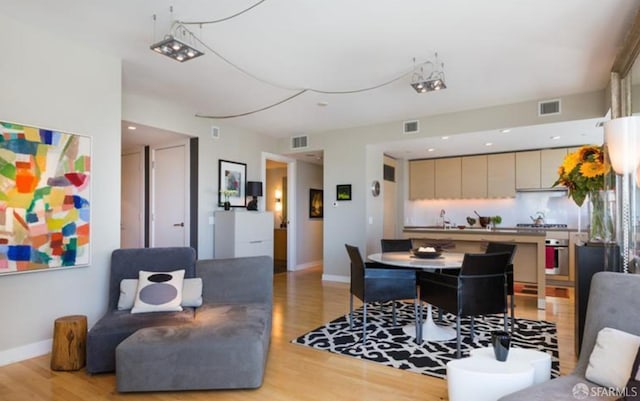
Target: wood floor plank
[302,302]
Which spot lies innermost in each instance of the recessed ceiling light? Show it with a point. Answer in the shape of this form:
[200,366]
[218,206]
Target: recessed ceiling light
[505,131]
[555,137]
[430,150]
[488,144]
[323,104]
[445,137]
[131,127]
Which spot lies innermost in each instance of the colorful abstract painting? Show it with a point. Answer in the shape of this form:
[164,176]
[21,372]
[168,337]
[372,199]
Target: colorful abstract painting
[45,198]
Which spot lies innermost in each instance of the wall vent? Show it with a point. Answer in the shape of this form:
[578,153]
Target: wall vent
[411,127]
[299,142]
[215,132]
[549,107]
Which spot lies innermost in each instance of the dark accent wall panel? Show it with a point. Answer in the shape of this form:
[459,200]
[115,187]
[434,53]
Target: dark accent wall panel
[147,195]
[193,193]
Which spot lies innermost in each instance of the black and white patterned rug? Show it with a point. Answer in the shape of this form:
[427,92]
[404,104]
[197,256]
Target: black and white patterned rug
[392,347]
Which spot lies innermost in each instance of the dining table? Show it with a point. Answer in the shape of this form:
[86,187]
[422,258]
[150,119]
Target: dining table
[407,260]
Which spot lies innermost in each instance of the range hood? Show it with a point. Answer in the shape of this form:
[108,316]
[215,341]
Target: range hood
[554,189]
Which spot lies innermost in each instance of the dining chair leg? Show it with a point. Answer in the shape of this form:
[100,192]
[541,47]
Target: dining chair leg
[393,312]
[419,328]
[415,317]
[351,312]
[364,323]
[458,339]
[513,315]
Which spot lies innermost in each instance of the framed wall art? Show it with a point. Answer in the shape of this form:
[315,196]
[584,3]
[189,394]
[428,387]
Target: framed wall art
[45,199]
[343,192]
[315,204]
[232,179]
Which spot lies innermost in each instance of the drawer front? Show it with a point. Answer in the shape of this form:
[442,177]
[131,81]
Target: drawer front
[255,248]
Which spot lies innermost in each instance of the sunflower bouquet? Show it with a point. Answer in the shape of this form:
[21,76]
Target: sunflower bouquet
[582,172]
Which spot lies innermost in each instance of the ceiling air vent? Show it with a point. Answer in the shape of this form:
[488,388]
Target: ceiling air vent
[411,127]
[299,142]
[549,107]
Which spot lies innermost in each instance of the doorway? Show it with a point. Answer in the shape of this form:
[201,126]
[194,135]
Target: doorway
[155,213]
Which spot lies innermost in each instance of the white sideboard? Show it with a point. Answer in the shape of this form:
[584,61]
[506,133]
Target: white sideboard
[243,233]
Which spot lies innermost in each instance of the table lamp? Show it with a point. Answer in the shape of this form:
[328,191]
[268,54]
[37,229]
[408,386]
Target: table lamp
[254,189]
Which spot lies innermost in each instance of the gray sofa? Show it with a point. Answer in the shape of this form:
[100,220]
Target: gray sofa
[613,302]
[222,344]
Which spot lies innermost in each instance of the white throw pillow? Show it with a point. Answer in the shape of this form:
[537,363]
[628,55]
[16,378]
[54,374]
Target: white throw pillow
[128,291]
[191,292]
[612,358]
[159,292]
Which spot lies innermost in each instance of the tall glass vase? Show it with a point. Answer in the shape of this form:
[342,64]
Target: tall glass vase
[601,227]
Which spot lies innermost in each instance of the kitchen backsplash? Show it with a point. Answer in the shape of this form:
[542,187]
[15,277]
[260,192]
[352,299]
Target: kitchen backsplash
[556,206]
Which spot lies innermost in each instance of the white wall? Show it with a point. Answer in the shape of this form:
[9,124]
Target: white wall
[355,156]
[234,144]
[76,90]
[310,231]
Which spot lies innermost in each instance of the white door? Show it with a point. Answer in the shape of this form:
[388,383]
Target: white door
[170,197]
[132,193]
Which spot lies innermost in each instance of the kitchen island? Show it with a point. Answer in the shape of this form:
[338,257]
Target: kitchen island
[529,260]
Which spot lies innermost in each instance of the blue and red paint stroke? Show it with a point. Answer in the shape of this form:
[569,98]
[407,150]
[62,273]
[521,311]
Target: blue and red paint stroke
[44,198]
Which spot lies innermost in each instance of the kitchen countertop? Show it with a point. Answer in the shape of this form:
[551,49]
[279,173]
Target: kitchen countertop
[499,230]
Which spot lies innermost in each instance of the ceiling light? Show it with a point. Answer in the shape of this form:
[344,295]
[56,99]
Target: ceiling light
[445,138]
[323,104]
[131,127]
[488,144]
[175,44]
[430,150]
[505,131]
[555,137]
[428,76]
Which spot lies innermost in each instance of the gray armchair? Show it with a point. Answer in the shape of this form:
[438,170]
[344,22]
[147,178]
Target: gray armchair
[613,302]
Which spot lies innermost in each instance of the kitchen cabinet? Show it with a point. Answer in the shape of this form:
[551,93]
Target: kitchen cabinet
[243,233]
[528,169]
[448,178]
[474,176]
[501,175]
[422,179]
[550,160]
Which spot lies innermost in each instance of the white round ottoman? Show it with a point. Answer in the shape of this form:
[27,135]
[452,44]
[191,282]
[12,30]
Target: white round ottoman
[541,361]
[479,378]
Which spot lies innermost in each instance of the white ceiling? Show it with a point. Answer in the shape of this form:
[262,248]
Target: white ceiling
[495,52]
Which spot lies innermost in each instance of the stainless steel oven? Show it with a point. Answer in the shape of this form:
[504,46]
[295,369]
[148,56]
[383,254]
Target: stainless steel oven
[556,256]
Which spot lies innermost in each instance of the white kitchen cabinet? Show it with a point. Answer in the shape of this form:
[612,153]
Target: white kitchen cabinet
[550,160]
[528,170]
[474,177]
[421,179]
[501,175]
[243,233]
[448,178]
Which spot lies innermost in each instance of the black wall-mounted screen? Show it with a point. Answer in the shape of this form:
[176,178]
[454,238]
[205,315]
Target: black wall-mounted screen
[389,173]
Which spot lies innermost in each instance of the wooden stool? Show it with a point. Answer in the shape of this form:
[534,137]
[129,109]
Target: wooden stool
[69,343]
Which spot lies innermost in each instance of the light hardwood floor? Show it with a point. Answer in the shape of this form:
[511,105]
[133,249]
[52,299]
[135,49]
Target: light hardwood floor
[302,302]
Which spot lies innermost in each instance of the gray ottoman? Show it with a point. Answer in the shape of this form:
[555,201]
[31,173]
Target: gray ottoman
[226,347]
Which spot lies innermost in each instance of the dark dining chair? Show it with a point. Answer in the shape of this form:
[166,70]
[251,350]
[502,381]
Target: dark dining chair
[379,284]
[494,247]
[479,289]
[395,245]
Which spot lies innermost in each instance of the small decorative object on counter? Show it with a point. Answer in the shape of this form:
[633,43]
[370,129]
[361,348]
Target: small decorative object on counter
[501,341]
[583,172]
[495,220]
[227,193]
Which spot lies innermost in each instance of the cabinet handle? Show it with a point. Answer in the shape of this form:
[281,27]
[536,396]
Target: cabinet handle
[255,242]
[178,225]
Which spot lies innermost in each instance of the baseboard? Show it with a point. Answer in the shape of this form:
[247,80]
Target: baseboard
[25,352]
[334,277]
[306,265]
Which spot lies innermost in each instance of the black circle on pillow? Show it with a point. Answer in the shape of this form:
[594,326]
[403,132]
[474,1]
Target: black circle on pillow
[160,277]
